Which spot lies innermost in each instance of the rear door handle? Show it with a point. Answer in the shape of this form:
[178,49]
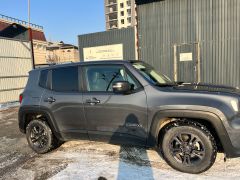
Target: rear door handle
[93,101]
[50,100]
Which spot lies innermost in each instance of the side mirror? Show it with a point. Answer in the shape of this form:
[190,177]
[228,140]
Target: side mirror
[121,87]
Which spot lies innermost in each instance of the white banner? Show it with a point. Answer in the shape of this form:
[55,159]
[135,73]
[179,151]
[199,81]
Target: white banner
[108,52]
[186,56]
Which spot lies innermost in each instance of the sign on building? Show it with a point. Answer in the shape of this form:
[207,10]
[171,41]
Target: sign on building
[108,52]
[186,56]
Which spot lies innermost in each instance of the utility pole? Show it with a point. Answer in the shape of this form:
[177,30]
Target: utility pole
[30,34]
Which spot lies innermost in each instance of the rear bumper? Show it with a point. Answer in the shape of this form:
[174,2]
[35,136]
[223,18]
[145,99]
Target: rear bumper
[21,121]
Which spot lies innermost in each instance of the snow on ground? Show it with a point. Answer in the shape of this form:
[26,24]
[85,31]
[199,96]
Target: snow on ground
[90,160]
[6,106]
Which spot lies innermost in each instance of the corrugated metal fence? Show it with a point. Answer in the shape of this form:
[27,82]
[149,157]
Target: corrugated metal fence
[212,24]
[15,63]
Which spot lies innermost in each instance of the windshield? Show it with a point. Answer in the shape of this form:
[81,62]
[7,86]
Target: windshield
[150,74]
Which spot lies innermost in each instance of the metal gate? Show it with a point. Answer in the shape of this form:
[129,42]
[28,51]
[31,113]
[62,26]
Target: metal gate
[187,63]
[15,63]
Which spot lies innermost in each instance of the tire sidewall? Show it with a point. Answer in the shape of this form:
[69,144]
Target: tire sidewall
[49,135]
[210,152]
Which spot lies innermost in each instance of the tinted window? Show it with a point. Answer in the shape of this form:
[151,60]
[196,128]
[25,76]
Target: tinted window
[65,79]
[101,78]
[43,78]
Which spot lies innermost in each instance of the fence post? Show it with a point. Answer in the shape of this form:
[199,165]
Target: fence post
[175,62]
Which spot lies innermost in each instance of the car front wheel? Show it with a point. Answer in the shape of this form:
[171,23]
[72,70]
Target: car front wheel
[189,147]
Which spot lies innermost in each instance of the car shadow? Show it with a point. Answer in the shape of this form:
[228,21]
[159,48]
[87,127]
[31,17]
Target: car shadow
[133,158]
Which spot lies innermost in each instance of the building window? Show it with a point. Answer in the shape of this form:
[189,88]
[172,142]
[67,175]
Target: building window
[129,3]
[122,13]
[121,5]
[129,20]
[129,12]
[122,21]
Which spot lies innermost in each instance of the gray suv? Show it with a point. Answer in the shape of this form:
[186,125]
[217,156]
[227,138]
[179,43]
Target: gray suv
[128,102]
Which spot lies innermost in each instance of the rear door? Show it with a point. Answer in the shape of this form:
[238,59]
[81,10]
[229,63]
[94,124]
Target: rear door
[116,118]
[63,99]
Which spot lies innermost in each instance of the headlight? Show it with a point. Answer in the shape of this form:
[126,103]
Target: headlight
[235,106]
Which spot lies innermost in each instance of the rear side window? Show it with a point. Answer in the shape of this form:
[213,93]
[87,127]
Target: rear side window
[43,79]
[65,79]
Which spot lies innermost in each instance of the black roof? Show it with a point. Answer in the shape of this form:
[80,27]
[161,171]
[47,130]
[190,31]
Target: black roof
[140,2]
[15,31]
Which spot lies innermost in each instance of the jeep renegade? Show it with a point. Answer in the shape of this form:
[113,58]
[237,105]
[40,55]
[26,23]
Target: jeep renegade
[128,102]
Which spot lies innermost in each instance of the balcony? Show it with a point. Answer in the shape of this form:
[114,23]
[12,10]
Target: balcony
[111,3]
[112,25]
[112,20]
[111,10]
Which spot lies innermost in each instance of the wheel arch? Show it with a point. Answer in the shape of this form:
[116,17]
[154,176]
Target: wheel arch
[214,124]
[27,114]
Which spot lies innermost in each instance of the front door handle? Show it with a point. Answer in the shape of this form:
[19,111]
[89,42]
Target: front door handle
[50,100]
[93,101]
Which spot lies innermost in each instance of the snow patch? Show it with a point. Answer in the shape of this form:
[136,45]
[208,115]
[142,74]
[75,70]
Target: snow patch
[6,106]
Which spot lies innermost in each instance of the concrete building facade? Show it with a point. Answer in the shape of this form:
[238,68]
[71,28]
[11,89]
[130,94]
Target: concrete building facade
[120,14]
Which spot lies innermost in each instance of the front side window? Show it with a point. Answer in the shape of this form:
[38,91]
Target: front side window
[101,78]
[65,79]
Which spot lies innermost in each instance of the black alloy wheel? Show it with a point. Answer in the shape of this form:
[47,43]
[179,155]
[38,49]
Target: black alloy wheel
[188,147]
[40,137]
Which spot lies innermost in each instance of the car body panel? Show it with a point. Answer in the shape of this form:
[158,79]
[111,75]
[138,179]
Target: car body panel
[117,117]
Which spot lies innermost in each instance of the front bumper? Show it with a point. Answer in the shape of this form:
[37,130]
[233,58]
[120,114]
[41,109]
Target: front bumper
[233,130]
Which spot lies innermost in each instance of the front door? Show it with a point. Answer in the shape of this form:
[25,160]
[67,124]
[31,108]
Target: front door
[115,118]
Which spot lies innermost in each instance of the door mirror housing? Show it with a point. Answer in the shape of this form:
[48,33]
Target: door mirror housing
[121,87]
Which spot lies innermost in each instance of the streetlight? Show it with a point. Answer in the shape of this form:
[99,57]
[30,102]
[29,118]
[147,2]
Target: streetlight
[30,35]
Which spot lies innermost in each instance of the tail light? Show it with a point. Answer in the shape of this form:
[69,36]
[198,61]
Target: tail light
[20,98]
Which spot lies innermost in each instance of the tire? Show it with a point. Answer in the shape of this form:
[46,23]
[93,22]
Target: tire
[40,137]
[189,147]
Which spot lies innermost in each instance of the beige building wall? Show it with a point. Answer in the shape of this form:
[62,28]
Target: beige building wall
[40,52]
[125,16]
[63,55]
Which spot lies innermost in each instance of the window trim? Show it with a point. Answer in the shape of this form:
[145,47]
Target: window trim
[84,90]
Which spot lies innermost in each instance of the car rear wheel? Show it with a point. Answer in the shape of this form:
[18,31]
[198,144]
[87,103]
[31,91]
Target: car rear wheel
[189,147]
[40,137]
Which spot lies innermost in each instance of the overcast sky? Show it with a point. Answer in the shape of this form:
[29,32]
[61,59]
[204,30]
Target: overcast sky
[61,19]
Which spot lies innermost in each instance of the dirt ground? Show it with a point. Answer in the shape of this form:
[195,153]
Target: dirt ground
[90,160]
